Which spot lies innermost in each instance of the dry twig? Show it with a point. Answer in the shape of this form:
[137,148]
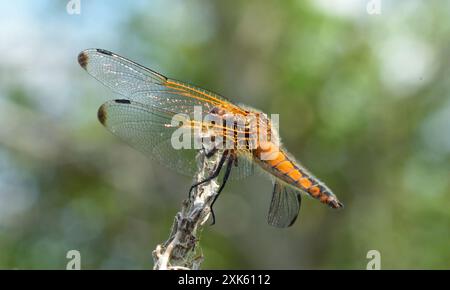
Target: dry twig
[182,250]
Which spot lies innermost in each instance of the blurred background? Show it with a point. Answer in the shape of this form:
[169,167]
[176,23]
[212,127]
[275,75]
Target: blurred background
[364,103]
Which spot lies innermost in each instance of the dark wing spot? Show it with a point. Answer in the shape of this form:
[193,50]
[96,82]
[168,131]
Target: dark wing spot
[104,51]
[122,101]
[83,59]
[101,114]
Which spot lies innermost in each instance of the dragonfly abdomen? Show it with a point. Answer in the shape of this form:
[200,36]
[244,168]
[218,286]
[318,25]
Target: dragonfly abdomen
[277,162]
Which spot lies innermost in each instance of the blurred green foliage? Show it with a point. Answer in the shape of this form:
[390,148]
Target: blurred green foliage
[364,103]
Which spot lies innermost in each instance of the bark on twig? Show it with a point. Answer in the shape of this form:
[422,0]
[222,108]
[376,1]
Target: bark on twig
[182,250]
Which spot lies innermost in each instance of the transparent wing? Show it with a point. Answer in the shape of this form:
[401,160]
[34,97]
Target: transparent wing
[244,166]
[143,119]
[148,87]
[284,207]
[150,130]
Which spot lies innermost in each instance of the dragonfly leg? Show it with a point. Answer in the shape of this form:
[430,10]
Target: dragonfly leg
[213,175]
[211,152]
[230,161]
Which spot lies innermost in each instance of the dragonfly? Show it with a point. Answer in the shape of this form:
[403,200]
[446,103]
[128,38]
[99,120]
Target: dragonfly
[144,118]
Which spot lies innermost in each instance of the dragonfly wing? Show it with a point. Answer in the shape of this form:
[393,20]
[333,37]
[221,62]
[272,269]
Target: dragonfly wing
[183,161]
[149,130]
[244,166]
[121,75]
[284,207]
[146,86]
[152,100]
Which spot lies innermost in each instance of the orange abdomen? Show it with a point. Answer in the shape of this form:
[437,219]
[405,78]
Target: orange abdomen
[275,161]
